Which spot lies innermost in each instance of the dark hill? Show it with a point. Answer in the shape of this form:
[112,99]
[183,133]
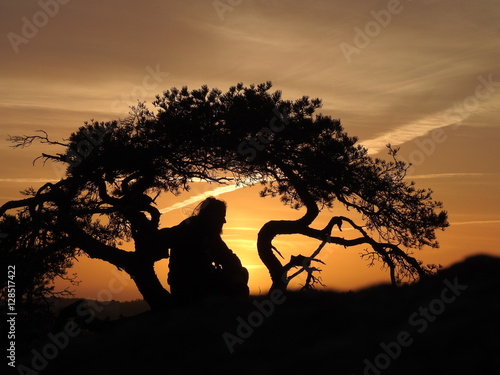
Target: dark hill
[447,325]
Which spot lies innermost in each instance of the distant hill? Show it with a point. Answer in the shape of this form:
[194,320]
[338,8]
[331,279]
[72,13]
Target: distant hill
[446,325]
[110,310]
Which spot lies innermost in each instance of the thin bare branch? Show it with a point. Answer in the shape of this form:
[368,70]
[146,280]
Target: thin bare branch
[26,140]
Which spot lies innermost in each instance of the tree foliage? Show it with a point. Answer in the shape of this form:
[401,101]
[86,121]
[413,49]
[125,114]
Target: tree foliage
[247,135]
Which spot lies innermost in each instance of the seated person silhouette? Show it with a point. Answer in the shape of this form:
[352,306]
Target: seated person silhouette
[201,263]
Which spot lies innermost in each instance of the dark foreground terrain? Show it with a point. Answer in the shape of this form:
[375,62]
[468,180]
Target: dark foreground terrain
[448,325]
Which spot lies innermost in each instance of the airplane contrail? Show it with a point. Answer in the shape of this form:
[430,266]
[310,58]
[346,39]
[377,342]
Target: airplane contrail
[476,222]
[419,128]
[407,132]
[198,197]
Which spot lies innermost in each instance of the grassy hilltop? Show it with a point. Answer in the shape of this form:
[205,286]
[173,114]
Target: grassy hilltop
[447,325]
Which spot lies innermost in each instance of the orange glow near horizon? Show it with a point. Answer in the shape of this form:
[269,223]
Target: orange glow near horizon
[428,81]
[344,269]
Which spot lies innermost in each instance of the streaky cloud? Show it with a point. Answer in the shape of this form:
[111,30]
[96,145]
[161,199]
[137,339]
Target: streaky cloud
[476,222]
[198,197]
[413,130]
[23,180]
[405,133]
[448,175]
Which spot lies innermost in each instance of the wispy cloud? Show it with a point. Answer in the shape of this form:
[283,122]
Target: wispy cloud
[408,132]
[253,266]
[196,198]
[448,117]
[26,180]
[242,228]
[449,175]
[476,222]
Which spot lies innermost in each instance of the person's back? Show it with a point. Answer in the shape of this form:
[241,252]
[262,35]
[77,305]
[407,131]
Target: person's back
[190,266]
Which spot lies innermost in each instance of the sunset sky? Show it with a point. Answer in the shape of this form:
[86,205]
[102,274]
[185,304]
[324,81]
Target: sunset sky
[421,74]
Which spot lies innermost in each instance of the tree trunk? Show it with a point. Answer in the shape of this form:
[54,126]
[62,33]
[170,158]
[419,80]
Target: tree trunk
[265,237]
[265,249]
[276,227]
[142,271]
[138,264]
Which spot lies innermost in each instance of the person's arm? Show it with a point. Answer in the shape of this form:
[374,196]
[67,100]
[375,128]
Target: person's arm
[224,256]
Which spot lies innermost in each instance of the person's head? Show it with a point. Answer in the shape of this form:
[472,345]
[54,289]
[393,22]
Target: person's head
[212,212]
